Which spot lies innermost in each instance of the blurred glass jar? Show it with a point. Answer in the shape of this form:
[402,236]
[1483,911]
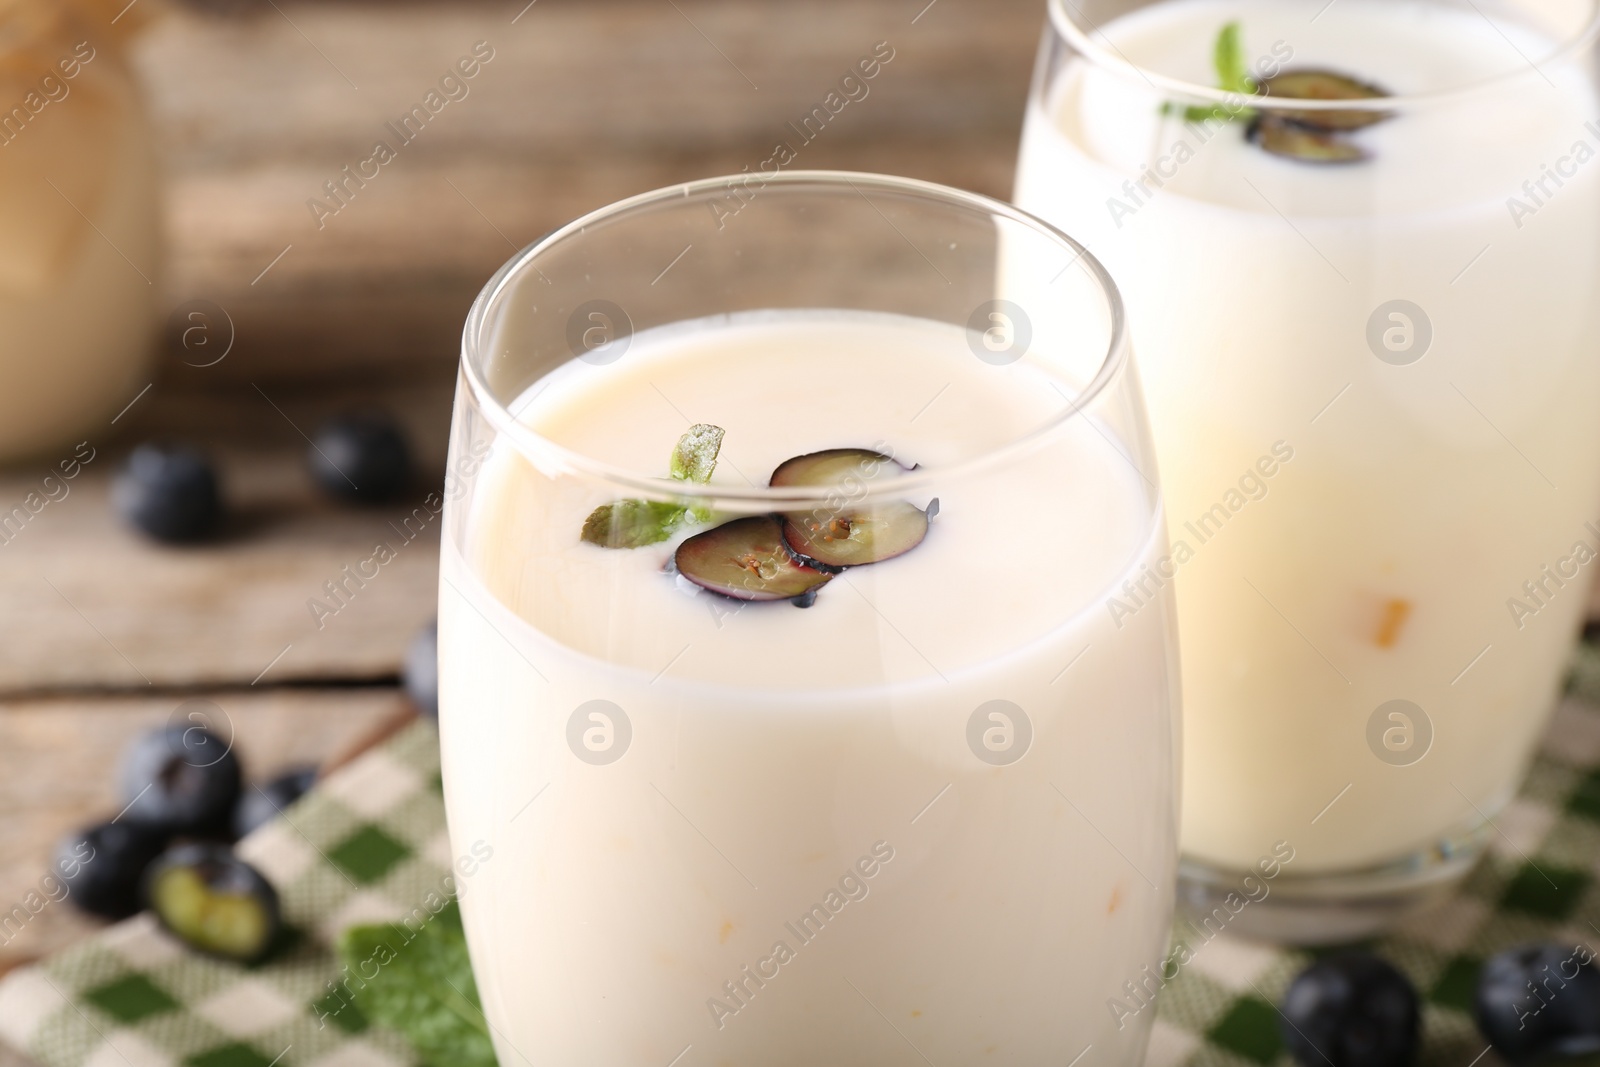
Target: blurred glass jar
[79,226]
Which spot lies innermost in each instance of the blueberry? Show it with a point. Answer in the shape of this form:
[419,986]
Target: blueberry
[1350,1009]
[361,456]
[169,492]
[422,670]
[837,537]
[215,902]
[746,559]
[101,866]
[1537,1002]
[259,805]
[180,780]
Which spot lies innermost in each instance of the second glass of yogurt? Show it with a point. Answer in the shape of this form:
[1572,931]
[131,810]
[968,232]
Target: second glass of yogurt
[1357,241]
[782,719]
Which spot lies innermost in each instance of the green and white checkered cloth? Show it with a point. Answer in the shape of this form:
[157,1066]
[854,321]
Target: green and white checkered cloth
[1537,883]
[369,843]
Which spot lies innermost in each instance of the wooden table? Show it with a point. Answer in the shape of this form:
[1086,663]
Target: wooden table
[584,102]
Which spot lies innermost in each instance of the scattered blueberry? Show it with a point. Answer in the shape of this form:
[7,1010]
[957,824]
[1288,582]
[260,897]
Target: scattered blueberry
[214,901]
[180,780]
[1538,1002]
[1350,1009]
[169,492]
[102,866]
[361,456]
[260,804]
[422,670]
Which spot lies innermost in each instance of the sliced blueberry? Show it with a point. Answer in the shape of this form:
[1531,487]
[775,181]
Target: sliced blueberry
[845,467]
[260,804]
[1350,1009]
[1283,138]
[180,780]
[746,559]
[422,670]
[169,492]
[102,866]
[850,538]
[361,456]
[838,533]
[1315,84]
[215,902]
[1540,1002]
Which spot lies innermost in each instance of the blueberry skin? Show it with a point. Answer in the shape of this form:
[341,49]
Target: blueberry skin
[361,456]
[255,809]
[1559,1016]
[180,780]
[222,873]
[102,866]
[1350,1009]
[422,670]
[169,492]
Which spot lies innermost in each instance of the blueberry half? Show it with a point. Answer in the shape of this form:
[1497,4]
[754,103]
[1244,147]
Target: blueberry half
[169,492]
[260,804]
[746,559]
[102,866]
[1318,84]
[1540,1002]
[180,780]
[842,532]
[215,902]
[1350,1009]
[361,456]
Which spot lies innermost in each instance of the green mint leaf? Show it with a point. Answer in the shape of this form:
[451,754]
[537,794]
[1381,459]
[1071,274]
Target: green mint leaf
[696,455]
[1233,76]
[632,523]
[636,523]
[423,988]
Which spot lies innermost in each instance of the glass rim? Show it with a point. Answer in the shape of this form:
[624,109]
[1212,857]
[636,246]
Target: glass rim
[1112,59]
[1113,362]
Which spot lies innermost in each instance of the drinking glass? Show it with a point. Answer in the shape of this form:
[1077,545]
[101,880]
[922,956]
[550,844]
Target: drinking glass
[919,803]
[1357,245]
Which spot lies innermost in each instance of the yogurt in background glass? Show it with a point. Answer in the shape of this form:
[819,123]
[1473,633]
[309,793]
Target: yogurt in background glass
[931,814]
[1373,388]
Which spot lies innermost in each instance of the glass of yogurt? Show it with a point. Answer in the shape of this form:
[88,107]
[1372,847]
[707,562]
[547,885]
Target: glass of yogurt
[1357,243]
[782,718]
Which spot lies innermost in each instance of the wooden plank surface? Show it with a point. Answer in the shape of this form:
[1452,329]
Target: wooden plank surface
[583,103]
[95,605]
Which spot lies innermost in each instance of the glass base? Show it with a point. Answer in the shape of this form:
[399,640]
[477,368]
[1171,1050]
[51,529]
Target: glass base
[1328,907]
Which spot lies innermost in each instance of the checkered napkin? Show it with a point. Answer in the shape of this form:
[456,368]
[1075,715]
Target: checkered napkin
[365,846]
[1537,883]
[370,842]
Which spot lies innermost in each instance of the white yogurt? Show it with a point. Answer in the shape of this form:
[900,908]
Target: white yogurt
[1380,561]
[799,858]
